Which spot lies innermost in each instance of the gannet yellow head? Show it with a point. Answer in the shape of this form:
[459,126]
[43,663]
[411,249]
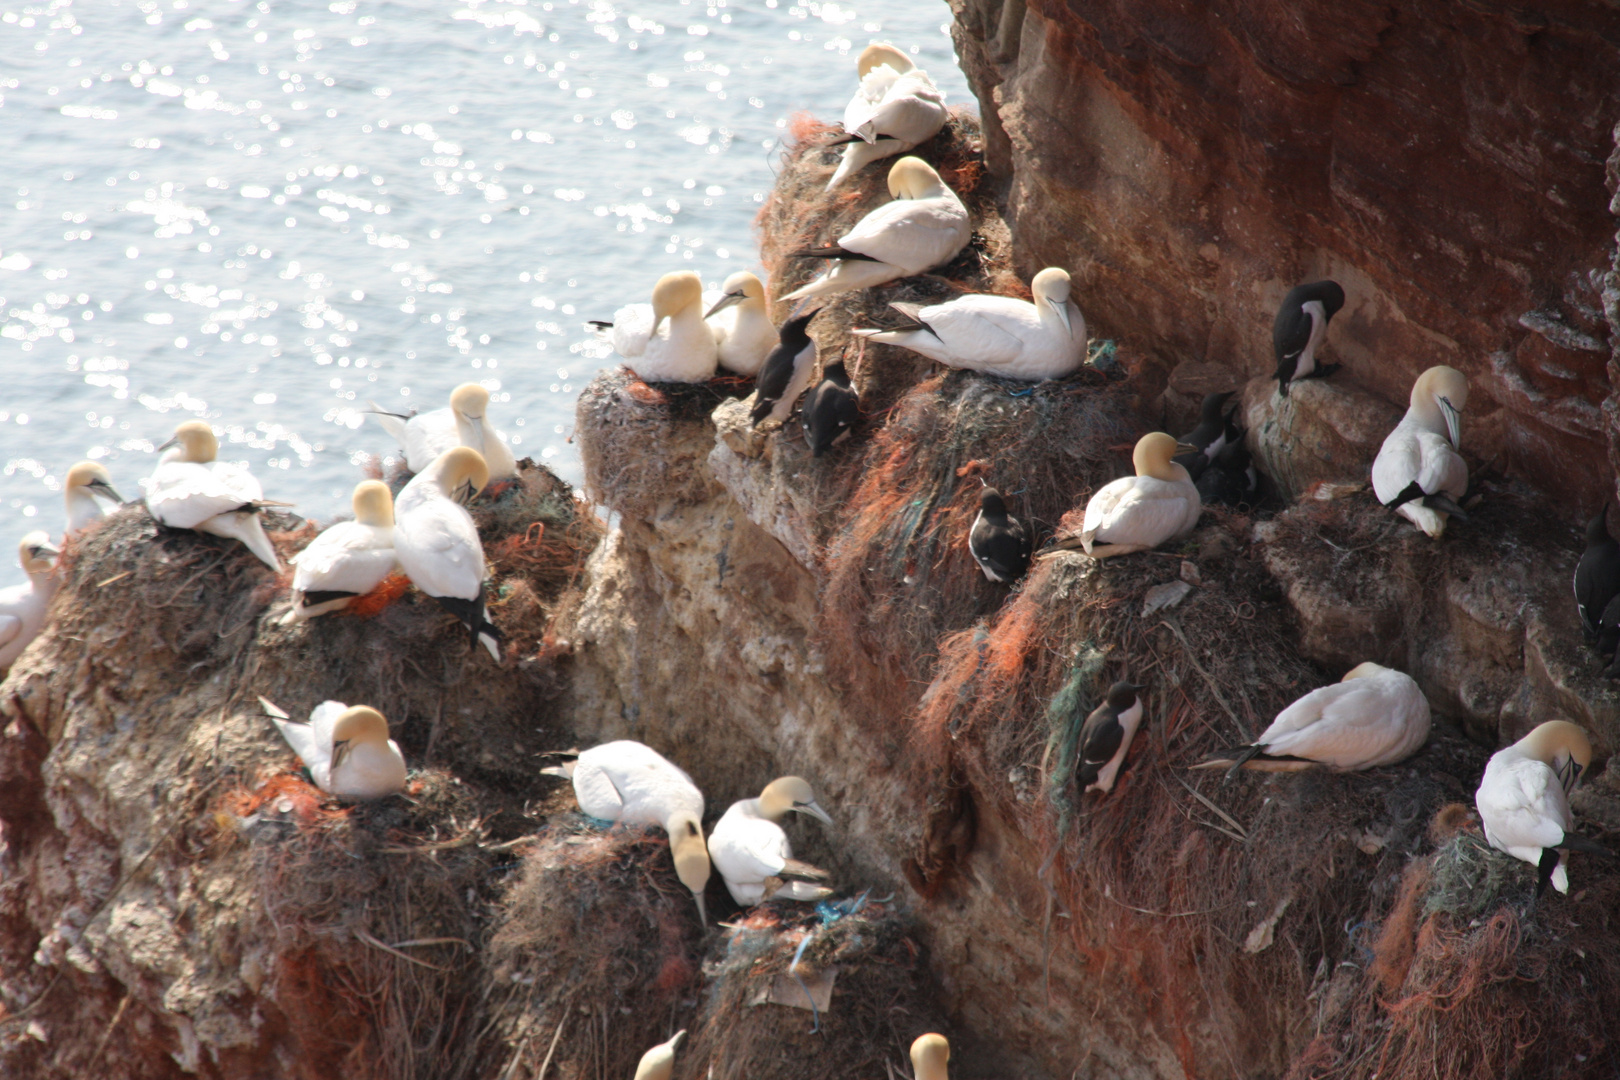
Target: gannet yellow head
[790,794]
[1363,670]
[914,178]
[1441,393]
[877,55]
[673,294]
[92,478]
[36,552]
[739,288]
[358,724]
[460,472]
[691,856]
[659,1062]
[1050,288]
[470,400]
[373,503]
[1563,746]
[196,442]
[1154,456]
[929,1055]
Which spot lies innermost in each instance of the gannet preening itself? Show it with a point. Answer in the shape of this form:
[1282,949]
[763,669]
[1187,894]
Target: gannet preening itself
[1373,716]
[22,607]
[1137,513]
[1106,737]
[752,852]
[1523,800]
[667,340]
[740,320]
[659,1062]
[896,107]
[786,372]
[633,784]
[1209,437]
[929,1057]
[347,750]
[998,542]
[1597,575]
[999,335]
[426,435]
[1300,326]
[437,543]
[831,410]
[190,490]
[925,226]
[86,482]
[346,560]
[1418,472]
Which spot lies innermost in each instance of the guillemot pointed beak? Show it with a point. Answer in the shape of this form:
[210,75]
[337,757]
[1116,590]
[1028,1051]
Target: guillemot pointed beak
[1453,421]
[1187,448]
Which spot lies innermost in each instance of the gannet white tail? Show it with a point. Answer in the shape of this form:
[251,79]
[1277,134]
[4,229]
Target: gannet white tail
[244,525]
[859,154]
[845,275]
[392,423]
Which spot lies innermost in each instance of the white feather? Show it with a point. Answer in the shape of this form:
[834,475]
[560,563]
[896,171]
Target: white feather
[1524,808]
[207,497]
[747,848]
[1000,335]
[369,771]
[629,782]
[1141,510]
[427,435]
[436,541]
[683,349]
[1365,722]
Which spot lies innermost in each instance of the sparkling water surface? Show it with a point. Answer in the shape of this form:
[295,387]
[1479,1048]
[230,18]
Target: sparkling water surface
[270,214]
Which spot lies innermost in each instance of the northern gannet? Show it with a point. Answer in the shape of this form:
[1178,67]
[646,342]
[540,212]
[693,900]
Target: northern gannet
[786,371]
[752,852]
[1523,800]
[1597,575]
[925,226]
[190,490]
[1299,328]
[437,543]
[998,542]
[1418,472]
[896,107]
[346,560]
[830,410]
[1209,437]
[86,482]
[1137,513]
[1106,737]
[668,340]
[346,749]
[424,436]
[1373,716]
[740,319]
[22,607]
[659,1062]
[930,1055]
[999,335]
[633,784]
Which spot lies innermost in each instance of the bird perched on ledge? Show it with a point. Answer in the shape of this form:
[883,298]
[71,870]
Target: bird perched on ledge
[23,607]
[465,422]
[190,490]
[1209,437]
[1106,737]
[831,409]
[1138,513]
[752,852]
[347,559]
[437,543]
[1597,575]
[347,750]
[86,482]
[739,318]
[1299,329]
[1523,800]
[896,107]
[1418,472]
[998,542]
[786,372]
[667,340]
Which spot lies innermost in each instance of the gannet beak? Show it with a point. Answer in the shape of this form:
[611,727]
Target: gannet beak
[101,487]
[1453,421]
[271,709]
[38,550]
[340,751]
[173,441]
[814,810]
[464,493]
[1062,313]
[703,911]
[726,301]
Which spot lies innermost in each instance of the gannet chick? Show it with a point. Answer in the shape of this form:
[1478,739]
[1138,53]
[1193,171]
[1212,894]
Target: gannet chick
[1106,737]
[465,423]
[896,107]
[831,409]
[659,1062]
[437,543]
[1597,575]
[786,371]
[999,335]
[667,341]
[347,750]
[740,320]
[1299,328]
[1373,716]
[1418,472]
[1523,800]
[925,226]
[630,783]
[22,607]
[998,542]
[1138,513]
[929,1056]
[1208,438]
[86,482]
[752,852]
[346,560]
[190,490]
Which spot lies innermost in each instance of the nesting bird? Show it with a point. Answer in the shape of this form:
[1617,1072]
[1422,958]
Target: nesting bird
[346,749]
[896,107]
[86,482]
[739,318]
[786,371]
[437,543]
[1106,737]
[1138,513]
[191,490]
[1299,328]
[998,542]
[1523,800]
[465,422]
[22,607]
[925,226]
[930,1055]
[659,1062]
[667,340]
[830,410]
[999,335]
[752,852]
[346,560]
[1229,478]
[1209,438]
[1418,472]
[1597,575]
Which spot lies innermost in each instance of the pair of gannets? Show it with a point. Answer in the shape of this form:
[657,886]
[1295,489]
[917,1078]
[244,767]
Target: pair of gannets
[1523,800]
[1418,472]
[22,607]
[925,226]
[346,749]
[896,107]
[1106,736]
[347,559]
[424,436]
[674,340]
[999,543]
[437,543]
[1298,331]
[752,852]
[87,482]
[1138,513]
[831,409]
[1373,716]
[191,490]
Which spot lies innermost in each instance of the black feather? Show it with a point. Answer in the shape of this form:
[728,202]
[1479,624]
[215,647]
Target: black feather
[831,251]
[1291,331]
[1597,575]
[776,374]
[998,541]
[830,410]
[322,596]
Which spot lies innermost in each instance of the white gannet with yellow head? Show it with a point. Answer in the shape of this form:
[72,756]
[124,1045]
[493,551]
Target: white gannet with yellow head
[896,107]
[1373,716]
[659,1062]
[752,852]
[1137,513]
[22,607]
[347,559]
[1418,472]
[999,335]
[86,482]
[668,340]
[739,317]
[1523,800]
[465,423]
[437,543]
[346,749]
[929,1056]
[630,783]
[191,490]
[925,226]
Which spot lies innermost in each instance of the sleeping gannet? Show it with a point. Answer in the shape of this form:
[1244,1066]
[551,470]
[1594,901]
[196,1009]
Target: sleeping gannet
[740,319]
[786,372]
[22,607]
[925,226]
[831,409]
[347,750]
[929,1055]
[86,482]
[1597,575]
[998,335]
[190,490]
[1373,716]
[752,852]
[1138,513]
[1523,800]
[346,560]
[1106,737]
[424,436]
[437,543]
[1299,328]
[659,1062]
[896,107]
[998,542]
[630,783]
[1418,472]
[667,340]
